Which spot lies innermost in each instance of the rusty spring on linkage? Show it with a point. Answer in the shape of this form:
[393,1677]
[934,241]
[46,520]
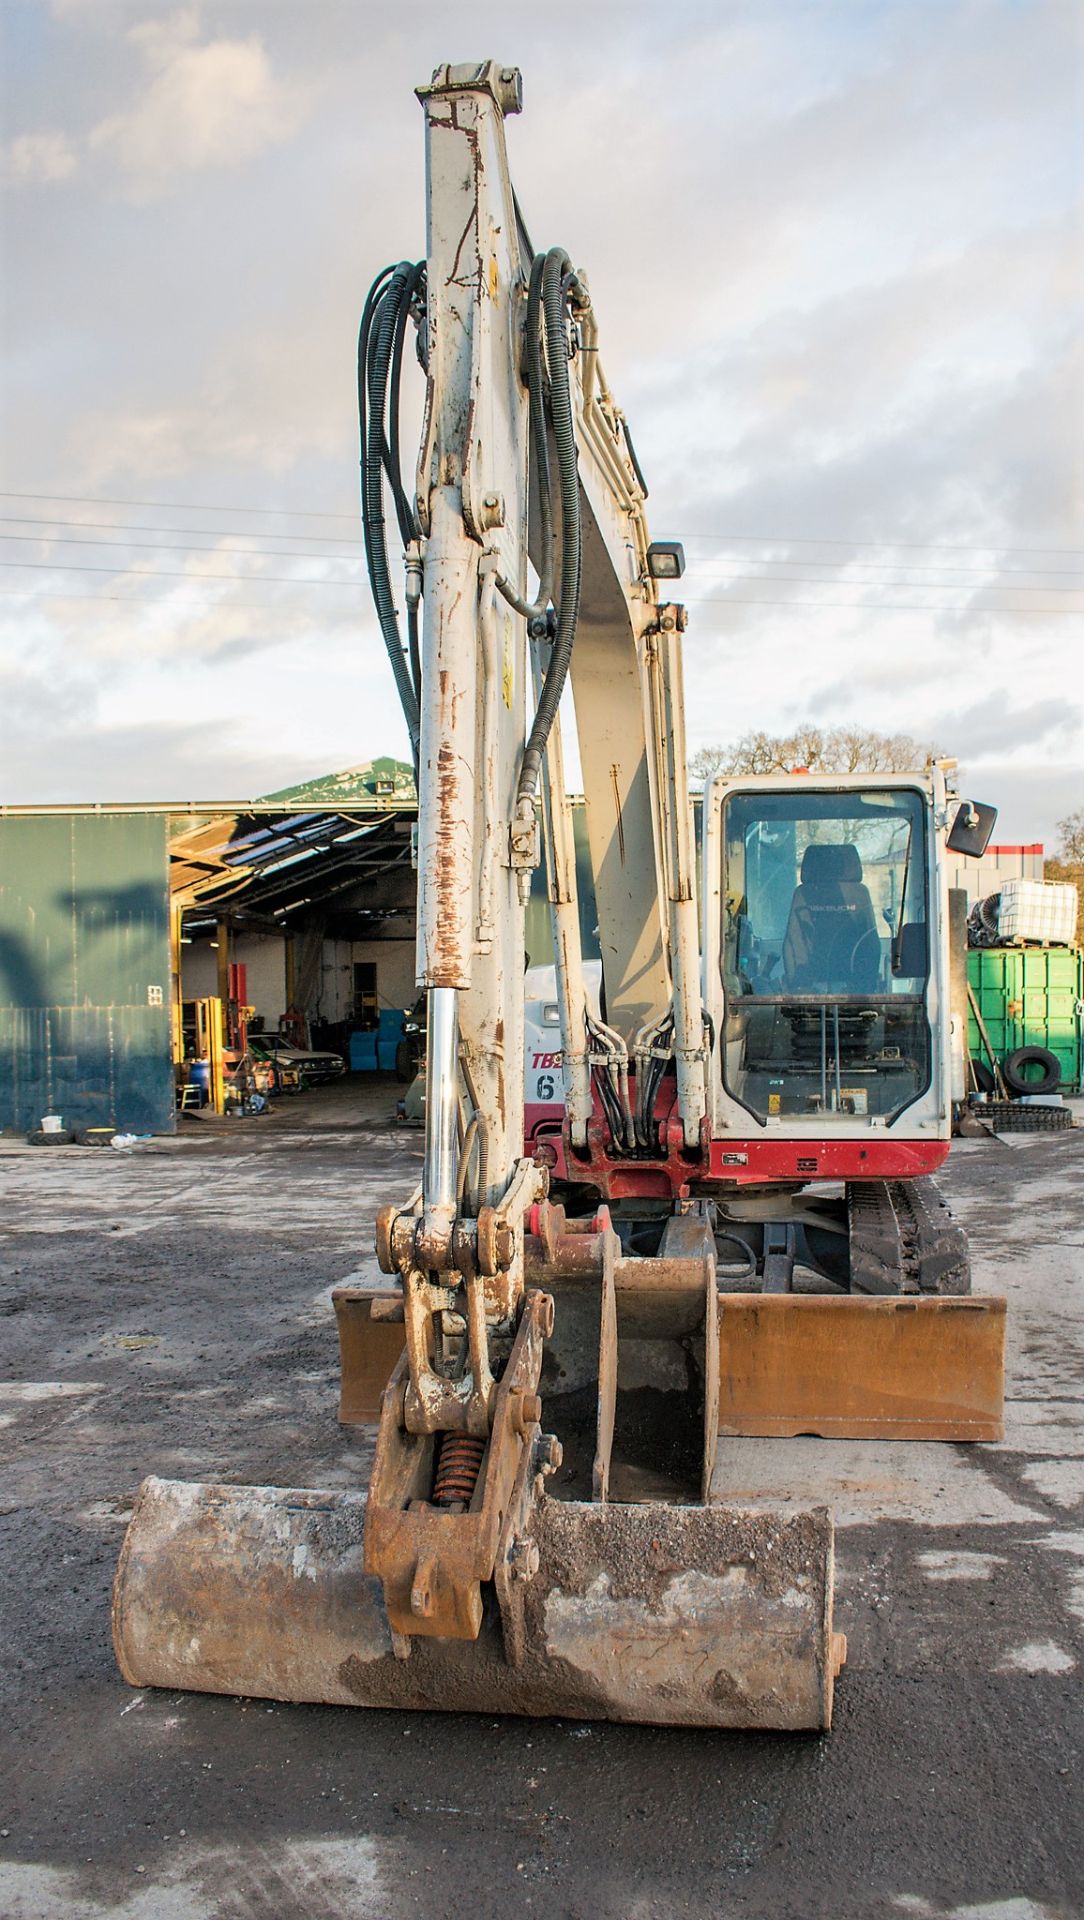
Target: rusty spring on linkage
[458,1464]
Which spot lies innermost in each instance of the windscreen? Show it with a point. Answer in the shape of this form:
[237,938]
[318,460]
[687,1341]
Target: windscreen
[825,952]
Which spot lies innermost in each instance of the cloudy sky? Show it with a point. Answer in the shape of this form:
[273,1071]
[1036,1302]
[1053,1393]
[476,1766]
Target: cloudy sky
[837,251]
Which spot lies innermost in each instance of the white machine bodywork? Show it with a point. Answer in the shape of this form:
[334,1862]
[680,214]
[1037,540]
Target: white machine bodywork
[929,1116]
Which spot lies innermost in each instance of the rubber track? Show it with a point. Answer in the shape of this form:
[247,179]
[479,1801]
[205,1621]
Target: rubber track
[903,1239]
[1011,1116]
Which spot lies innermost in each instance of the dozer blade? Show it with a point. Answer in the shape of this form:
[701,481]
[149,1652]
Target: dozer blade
[846,1367]
[667,1615]
[912,1367]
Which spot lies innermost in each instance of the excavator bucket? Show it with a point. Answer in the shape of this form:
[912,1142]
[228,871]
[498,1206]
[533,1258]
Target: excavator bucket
[676,1617]
[590,1575]
[618,1587]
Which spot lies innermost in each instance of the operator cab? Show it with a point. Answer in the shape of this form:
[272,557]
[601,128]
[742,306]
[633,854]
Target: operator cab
[825,950]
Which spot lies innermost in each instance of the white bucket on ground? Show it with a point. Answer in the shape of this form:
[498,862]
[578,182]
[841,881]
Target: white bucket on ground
[52,1123]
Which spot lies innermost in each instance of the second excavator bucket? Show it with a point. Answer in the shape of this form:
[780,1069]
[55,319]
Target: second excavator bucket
[843,1367]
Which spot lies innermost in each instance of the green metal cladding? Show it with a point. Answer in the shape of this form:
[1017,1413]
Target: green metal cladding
[84,972]
[1030,997]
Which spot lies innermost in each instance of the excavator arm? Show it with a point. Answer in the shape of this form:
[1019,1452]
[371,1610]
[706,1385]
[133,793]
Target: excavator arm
[491,1564]
[538,569]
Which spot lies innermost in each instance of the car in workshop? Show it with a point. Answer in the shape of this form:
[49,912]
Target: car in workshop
[311,1065]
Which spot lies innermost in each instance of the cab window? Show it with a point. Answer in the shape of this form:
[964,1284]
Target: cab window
[825,951]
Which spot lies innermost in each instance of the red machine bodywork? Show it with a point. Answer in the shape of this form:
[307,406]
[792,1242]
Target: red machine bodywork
[769,1161]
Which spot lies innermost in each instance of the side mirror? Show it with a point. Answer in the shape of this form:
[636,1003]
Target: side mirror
[911,951]
[970,831]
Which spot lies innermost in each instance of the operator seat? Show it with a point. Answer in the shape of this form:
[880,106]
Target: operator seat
[831,943]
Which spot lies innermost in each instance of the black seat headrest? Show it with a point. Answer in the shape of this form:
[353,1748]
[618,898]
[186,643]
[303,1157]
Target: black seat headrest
[825,861]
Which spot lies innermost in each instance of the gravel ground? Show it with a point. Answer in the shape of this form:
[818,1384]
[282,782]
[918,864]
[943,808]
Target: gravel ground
[167,1310]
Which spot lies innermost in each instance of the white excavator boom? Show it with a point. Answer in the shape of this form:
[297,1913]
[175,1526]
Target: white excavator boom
[489,1564]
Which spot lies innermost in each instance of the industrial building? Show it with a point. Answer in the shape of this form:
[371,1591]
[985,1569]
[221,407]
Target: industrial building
[120,925]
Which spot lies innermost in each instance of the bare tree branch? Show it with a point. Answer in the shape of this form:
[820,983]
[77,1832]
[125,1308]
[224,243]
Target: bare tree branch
[837,750]
[1071,838]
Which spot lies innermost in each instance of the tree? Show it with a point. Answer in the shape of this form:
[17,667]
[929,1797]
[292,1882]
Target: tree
[1068,863]
[835,750]
[1071,838]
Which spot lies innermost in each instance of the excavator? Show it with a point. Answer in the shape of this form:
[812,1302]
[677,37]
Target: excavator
[728,1226]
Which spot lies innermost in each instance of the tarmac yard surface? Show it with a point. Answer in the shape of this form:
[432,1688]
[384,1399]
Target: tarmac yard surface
[168,1311]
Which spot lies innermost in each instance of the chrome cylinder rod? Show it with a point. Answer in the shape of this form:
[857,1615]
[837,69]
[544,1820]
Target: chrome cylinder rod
[441,1098]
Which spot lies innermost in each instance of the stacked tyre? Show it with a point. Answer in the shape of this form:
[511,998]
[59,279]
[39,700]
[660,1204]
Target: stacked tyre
[1032,1070]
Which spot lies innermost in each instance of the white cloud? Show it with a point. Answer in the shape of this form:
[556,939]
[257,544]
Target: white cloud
[248,411]
[838,283]
[214,103]
[39,159]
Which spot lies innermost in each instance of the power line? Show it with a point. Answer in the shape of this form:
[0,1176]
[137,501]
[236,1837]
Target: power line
[918,586]
[117,526]
[156,602]
[946,576]
[165,573]
[349,560]
[709,567]
[292,580]
[755,539]
[864,607]
[887,606]
[918,546]
[174,506]
[184,546]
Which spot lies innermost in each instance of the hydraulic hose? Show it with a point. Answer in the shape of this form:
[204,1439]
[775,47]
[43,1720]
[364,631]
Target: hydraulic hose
[383,324]
[747,1270]
[375,532]
[558,280]
[415,648]
[394,297]
[540,454]
[408,526]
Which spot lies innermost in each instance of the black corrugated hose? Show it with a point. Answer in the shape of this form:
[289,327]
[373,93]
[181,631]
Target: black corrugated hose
[536,609]
[558,280]
[394,294]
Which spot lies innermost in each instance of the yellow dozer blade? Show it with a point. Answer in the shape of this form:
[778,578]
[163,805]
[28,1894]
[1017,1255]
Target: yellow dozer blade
[584,1572]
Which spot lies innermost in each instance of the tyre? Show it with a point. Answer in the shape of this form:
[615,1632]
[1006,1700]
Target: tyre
[984,1079]
[406,1059]
[1032,1070]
